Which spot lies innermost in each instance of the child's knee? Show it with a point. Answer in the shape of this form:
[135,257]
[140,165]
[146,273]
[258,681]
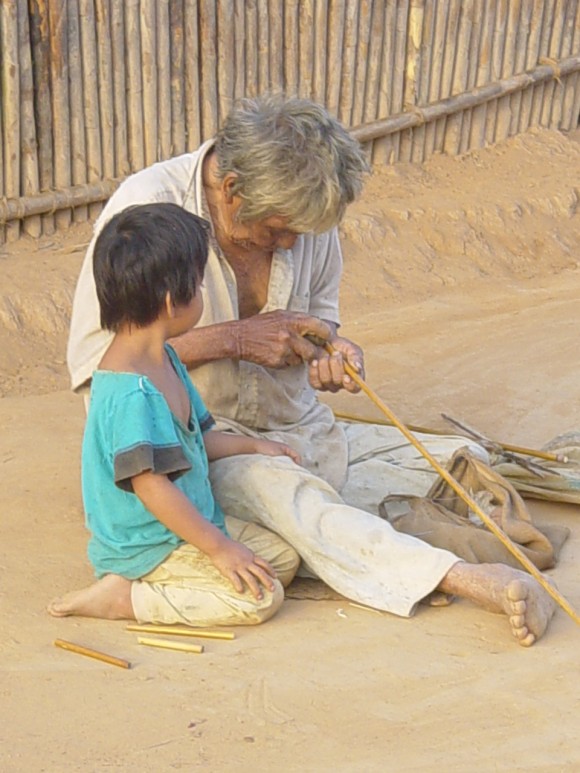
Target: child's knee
[287,565]
[269,604]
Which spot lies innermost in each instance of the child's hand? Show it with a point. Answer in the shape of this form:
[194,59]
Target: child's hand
[239,565]
[273,448]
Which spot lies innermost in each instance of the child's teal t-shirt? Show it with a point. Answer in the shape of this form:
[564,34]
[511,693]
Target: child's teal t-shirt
[130,429]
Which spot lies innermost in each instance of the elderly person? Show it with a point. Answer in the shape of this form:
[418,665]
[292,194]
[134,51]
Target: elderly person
[274,185]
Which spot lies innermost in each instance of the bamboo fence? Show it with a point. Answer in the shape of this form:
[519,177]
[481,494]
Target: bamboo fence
[93,90]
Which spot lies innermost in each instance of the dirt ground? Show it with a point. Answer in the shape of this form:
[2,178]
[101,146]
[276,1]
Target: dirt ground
[461,282]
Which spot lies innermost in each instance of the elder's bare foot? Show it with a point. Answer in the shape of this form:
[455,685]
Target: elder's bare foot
[499,588]
[108,598]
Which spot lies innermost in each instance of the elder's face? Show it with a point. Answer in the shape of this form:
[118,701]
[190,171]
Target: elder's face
[271,233]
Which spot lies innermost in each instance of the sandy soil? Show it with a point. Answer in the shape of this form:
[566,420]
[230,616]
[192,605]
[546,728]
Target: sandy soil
[461,281]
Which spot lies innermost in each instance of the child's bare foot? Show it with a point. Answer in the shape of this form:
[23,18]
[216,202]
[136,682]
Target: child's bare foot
[108,598]
[499,588]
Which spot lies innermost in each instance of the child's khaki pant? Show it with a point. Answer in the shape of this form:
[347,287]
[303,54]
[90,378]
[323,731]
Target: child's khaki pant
[187,588]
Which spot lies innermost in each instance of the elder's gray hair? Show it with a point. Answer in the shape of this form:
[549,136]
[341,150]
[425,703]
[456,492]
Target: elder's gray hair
[292,159]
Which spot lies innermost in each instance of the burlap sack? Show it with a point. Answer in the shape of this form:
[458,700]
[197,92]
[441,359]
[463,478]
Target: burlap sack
[444,520]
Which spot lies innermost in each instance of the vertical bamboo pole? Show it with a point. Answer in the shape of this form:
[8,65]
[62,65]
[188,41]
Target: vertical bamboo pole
[177,33]
[436,75]
[122,166]
[412,72]
[572,87]
[105,80]
[78,147]
[398,85]
[449,54]
[263,46]
[348,62]
[375,55]
[192,74]
[499,38]
[39,35]
[383,150]
[29,176]
[225,45]
[362,62]
[504,104]
[336,19]
[418,149]
[544,50]
[60,102]
[305,47]
[10,107]
[553,88]
[320,51]
[474,48]
[521,48]
[240,50]
[291,47]
[2,164]
[208,60]
[148,33]
[252,46]
[134,86]
[165,118]
[531,60]
[464,50]
[276,45]
[94,160]
[565,49]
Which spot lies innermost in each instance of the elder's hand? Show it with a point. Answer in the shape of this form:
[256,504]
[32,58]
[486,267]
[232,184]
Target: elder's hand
[276,339]
[327,374]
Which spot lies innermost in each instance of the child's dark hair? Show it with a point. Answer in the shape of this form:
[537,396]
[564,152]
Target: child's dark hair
[143,253]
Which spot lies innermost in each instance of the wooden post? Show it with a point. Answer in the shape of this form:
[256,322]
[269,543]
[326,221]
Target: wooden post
[60,101]
[348,62]
[565,49]
[105,81]
[571,103]
[276,45]
[552,90]
[438,51]
[320,73]
[78,147]
[192,75]
[544,51]
[375,54]
[29,176]
[449,53]
[521,47]
[412,72]
[512,38]
[164,115]
[148,30]
[225,44]
[362,62]
[10,106]
[252,45]
[383,151]
[499,36]
[418,151]
[336,17]
[177,33]
[476,34]
[39,35]
[91,97]
[122,165]
[263,46]
[464,50]
[531,60]
[240,49]
[134,87]
[208,61]
[305,47]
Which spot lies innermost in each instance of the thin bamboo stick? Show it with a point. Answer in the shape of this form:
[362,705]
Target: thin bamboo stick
[320,73]
[164,115]
[464,50]
[276,45]
[383,151]
[361,73]
[476,30]
[252,46]
[436,69]
[122,165]
[418,150]
[192,75]
[225,44]
[174,631]
[348,62]
[105,80]
[291,47]
[29,156]
[90,653]
[306,47]
[460,491]
[240,50]
[53,201]
[148,32]
[134,86]
[91,97]
[176,31]
[412,72]
[39,35]
[78,148]
[263,22]
[164,644]
[10,105]
[60,102]
[336,17]
[532,56]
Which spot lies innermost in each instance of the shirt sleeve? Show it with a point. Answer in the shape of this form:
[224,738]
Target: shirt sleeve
[144,439]
[326,276]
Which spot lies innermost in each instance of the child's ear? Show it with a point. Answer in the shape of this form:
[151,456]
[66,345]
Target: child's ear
[169,306]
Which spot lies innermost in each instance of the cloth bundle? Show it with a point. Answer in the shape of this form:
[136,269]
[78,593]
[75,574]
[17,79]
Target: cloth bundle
[445,521]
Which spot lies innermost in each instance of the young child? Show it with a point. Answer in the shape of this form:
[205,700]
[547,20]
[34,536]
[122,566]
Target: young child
[161,547]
